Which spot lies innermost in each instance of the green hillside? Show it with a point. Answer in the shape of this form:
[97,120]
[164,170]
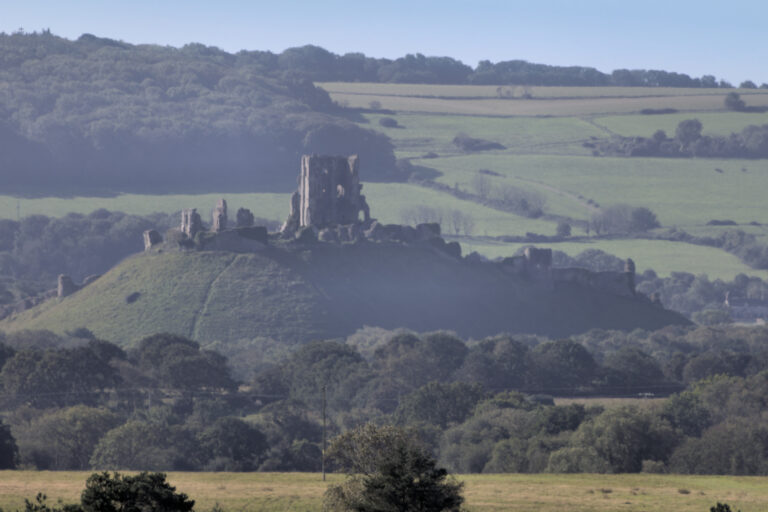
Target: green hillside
[329,291]
[210,295]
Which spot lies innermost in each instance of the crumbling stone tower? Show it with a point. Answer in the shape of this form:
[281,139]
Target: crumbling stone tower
[219,220]
[191,223]
[328,193]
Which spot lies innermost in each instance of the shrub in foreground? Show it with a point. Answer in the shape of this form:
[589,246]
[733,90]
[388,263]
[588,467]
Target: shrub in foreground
[389,471]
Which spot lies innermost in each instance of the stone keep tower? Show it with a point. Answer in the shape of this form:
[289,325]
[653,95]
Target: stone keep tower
[328,193]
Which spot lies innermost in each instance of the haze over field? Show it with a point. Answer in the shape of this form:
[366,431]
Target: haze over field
[389,240]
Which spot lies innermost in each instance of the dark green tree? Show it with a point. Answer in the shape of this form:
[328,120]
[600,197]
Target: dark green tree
[178,362]
[139,445]
[688,131]
[65,438]
[57,377]
[389,471]
[231,444]
[632,368]
[721,507]
[562,364]
[625,437]
[733,101]
[40,504]
[9,452]
[686,412]
[417,360]
[495,363]
[563,229]
[642,219]
[439,404]
[132,493]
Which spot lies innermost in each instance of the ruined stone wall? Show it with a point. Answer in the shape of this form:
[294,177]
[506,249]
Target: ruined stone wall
[536,264]
[614,283]
[219,217]
[191,224]
[151,239]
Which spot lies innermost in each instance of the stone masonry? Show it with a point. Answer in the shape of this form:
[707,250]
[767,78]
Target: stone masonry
[219,221]
[151,238]
[191,224]
[328,194]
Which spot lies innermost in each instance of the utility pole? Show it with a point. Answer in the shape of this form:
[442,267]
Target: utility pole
[323,457]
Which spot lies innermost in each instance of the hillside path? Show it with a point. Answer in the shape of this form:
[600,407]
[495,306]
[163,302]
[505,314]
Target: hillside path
[201,312]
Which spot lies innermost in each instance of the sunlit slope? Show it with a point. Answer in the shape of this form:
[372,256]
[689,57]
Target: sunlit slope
[207,295]
[326,292]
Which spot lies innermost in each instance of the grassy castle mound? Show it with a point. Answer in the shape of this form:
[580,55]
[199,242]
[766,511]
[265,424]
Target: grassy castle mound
[300,292]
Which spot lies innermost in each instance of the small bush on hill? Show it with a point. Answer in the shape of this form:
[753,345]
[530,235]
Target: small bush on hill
[469,144]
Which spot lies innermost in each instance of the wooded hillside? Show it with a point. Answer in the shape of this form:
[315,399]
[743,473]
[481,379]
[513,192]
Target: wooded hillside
[101,115]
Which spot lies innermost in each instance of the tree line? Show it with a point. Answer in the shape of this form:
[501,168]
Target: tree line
[688,141]
[320,65]
[77,402]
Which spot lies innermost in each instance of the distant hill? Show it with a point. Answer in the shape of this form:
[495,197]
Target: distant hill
[325,292]
[98,115]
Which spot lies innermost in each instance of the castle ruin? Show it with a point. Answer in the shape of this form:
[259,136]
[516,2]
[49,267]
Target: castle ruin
[219,221]
[326,209]
[191,223]
[328,194]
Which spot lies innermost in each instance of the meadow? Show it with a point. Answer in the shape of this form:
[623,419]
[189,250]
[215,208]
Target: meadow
[682,192]
[301,492]
[494,91]
[537,107]
[531,101]
[714,123]
[544,153]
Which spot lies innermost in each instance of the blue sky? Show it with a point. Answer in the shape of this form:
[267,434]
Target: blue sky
[726,39]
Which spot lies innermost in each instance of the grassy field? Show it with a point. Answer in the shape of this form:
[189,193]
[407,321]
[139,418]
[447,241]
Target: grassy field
[266,205]
[302,492]
[721,123]
[538,107]
[682,192]
[419,134]
[389,202]
[493,91]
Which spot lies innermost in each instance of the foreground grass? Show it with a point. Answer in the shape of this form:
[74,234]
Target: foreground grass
[302,492]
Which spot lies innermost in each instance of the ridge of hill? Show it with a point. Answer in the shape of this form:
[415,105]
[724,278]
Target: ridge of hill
[322,291]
